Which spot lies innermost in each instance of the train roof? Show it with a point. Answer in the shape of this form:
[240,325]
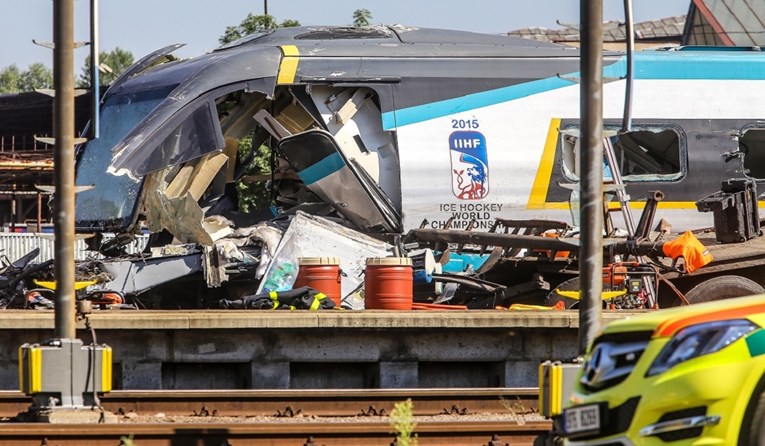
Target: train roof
[393,37]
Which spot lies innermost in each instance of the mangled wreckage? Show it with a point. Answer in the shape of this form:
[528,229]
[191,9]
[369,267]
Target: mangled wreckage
[380,141]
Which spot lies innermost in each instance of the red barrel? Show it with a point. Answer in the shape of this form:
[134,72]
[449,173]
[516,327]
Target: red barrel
[388,284]
[322,274]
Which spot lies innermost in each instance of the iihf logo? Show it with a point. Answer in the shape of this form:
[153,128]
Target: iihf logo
[470,165]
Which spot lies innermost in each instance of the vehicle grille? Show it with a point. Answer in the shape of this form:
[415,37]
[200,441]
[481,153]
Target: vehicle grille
[612,359]
[684,434]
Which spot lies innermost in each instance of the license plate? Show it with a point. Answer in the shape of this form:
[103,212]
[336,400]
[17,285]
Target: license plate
[581,419]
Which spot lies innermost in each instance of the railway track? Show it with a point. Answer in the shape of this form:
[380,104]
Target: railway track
[318,403]
[492,417]
[452,433]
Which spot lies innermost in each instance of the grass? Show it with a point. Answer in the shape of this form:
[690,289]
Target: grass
[516,408]
[401,418]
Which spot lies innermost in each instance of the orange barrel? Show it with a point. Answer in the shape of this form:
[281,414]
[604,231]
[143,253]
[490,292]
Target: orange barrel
[322,274]
[388,283]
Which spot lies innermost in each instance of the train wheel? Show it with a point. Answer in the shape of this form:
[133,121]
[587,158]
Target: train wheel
[723,287]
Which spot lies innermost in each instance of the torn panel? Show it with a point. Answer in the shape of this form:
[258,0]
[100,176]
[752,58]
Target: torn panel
[214,269]
[311,236]
[226,253]
[195,178]
[326,172]
[158,57]
[175,206]
[353,117]
[196,135]
[181,216]
[267,235]
[139,275]
[139,153]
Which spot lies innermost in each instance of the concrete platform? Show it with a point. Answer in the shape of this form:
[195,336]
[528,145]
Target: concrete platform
[210,349]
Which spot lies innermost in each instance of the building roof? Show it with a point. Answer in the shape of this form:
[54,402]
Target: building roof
[726,22]
[32,113]
[669,28]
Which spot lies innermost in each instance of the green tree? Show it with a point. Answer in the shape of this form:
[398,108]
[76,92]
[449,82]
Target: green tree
[10,79]
[253,24]
[112,64]
[37,75]
[254,196]
[361,17]
[289,23]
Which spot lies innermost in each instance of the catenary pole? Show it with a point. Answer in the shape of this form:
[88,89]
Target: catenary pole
[591,211]
[63,158]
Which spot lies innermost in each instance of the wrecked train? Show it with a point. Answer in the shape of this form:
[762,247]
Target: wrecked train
[382,130]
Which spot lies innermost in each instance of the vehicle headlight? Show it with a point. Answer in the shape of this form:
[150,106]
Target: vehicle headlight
[698,340]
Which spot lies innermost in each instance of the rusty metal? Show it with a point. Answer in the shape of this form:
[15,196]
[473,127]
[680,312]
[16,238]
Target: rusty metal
[591,215]
[492,239]
[496,441]
[643,229]
[63,159]
[307,403]
[454,432]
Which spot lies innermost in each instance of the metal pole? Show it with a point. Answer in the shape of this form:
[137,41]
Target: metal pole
[95,78]
[13,212]
[63,158]
[39,212]
[591,212]
[265,7]
[630,33]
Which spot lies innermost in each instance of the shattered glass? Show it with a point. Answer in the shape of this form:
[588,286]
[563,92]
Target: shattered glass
[111,202]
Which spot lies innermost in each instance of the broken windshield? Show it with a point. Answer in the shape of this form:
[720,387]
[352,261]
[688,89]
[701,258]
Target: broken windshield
[110,204]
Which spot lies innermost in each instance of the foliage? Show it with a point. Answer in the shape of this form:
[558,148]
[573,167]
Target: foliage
[37,75]
[401,418]
[289,23]
[516,408]
[361,17]
[10,78]
[112,64]
[253,24]
[253,196]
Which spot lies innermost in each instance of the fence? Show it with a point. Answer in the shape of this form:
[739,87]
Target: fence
[15,245]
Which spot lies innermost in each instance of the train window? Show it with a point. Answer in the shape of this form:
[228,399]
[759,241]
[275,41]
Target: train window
[646,153]
[751,146]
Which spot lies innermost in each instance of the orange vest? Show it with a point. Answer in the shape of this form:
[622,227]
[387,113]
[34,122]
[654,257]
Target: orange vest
[690,249]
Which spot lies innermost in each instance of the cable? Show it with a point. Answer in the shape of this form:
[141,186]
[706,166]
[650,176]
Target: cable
[94,343]
[680,295]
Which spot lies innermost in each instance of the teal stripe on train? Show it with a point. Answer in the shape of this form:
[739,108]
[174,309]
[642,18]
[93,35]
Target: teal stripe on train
[322,169]
[675,65]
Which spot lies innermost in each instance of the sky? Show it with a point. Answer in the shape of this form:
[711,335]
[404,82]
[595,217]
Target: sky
[142,26]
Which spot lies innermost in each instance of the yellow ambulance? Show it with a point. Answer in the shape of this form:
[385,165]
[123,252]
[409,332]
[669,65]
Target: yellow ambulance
[692,375]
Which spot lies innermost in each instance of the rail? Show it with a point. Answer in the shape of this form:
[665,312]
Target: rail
[477,416]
